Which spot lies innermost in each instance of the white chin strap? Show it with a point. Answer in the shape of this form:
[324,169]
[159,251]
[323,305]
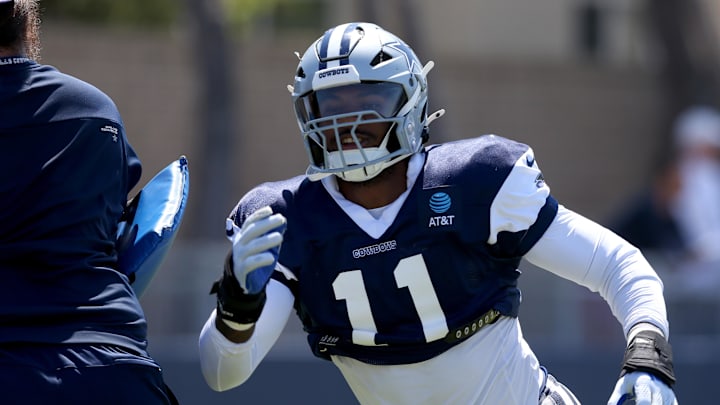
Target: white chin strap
[351,158]
[355,157]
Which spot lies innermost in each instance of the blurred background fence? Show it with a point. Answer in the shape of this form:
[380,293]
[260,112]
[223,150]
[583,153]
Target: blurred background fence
[593,86]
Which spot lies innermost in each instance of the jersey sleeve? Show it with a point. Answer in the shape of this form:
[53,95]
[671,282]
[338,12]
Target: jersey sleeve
[523,207]
[280,197]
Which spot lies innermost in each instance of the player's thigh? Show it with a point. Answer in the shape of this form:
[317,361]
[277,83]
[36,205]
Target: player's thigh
[114,384]
[126,384]
[79,374]
[555,393]
[21,384]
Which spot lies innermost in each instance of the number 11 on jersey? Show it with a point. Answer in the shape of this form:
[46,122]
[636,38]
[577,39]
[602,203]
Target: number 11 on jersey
[411,272]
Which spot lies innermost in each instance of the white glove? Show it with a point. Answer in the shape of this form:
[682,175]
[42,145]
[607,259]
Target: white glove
[255,248]
[640,388]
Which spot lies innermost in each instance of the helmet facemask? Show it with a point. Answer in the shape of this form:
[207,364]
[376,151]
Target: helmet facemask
[352,131]
[360,96]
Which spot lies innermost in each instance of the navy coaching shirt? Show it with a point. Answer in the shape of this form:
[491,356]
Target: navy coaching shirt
[65,171]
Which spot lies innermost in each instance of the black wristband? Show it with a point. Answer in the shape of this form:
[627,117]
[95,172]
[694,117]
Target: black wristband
[233,304]
[650,352]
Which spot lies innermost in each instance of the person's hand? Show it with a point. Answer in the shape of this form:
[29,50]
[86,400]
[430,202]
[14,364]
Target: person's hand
[641,388]
[255,248]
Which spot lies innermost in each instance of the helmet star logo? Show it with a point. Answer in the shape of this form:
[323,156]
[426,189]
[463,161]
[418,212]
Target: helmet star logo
[407,53]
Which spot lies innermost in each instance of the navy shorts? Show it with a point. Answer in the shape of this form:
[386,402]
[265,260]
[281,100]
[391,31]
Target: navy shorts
[79,374]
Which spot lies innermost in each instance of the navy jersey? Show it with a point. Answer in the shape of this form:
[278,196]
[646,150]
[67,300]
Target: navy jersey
[402,297]
[65,172]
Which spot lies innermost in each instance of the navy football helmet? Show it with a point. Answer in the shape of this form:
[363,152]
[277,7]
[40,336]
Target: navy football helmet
[379,80]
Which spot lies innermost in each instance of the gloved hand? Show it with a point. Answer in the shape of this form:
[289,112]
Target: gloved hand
[255,248]
[647,374]
[641,388]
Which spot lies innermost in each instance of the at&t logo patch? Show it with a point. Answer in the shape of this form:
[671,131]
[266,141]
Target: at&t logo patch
[440,203]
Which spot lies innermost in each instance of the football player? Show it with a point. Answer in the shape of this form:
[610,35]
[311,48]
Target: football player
[401,258]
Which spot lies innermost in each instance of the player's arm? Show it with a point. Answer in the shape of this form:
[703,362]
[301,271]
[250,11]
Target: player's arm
[580,250]
[241,298]
[573,247]
[226,364]
[583,251]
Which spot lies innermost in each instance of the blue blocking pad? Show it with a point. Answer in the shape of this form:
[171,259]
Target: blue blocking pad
[150,223]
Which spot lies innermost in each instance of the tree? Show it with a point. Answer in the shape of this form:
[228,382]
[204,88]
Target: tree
[211,24]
